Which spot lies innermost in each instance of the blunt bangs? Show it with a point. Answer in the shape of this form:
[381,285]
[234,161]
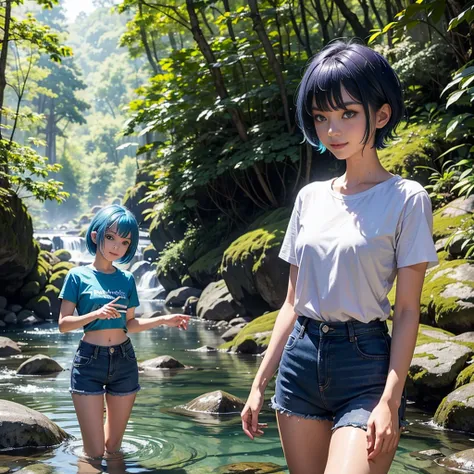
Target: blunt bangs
[126,225]
[367,78]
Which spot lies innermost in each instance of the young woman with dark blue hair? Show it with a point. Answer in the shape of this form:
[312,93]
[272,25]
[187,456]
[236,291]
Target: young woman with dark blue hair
[339,395]
[105,298]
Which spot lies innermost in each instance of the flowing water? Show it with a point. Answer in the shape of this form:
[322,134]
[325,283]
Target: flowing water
[158,440]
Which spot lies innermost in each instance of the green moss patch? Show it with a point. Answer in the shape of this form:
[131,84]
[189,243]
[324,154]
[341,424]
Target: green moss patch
[258,330]
[465,376]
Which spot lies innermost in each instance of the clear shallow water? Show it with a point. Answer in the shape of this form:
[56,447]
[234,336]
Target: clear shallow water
[160,441]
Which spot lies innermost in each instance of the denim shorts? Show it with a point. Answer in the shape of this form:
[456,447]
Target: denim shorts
[104,369]
[334,371]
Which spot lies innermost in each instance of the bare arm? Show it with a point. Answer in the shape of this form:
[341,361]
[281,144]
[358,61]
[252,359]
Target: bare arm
[67,322]
[382,427]
[138,325]
[405,329]
[283,326]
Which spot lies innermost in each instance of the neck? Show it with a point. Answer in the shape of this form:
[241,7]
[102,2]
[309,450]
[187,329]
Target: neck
[364,169]
[101,264]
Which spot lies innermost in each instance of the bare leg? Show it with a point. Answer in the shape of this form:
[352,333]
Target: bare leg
[118,413]
[305,443]
[90,414]
[348,453]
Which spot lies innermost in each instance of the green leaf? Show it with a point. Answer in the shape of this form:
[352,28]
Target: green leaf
[454,97]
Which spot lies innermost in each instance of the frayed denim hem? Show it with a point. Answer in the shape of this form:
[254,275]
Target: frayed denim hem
[284,411]
[352,425]
[116,394]
[82,392]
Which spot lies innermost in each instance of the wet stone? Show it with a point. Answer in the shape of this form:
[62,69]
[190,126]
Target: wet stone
[250,468]
[39,364]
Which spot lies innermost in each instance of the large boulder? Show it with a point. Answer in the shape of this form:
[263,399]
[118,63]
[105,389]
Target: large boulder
[190,307]
[22,427]
[63,255]
[18,249]
[456,411]
[29,290]
[139,269]
[217,402]
[8,347]
[39,364]
[206,269]
[434,369]
[255,276]
[447,299]
[217,304]
[177,298]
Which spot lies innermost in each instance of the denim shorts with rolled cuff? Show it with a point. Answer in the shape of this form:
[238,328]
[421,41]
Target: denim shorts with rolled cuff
[334,371]
[104,369]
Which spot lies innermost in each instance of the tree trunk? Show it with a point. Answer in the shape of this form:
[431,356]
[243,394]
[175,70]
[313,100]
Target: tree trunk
[305,28]
[3,58]
[322,21]
[51,134]
[351,17]
[262,34]
[236,113]
[149,55]
[172,39]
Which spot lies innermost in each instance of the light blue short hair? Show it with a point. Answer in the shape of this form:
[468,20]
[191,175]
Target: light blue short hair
[126,225]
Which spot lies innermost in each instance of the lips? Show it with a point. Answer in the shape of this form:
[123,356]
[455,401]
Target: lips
[338,146]
[114,254]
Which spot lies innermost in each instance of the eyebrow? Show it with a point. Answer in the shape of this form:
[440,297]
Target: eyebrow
[112,232]
[345,104]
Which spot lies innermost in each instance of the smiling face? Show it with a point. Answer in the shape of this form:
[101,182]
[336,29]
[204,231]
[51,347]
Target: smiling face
[342,131]
[113,247]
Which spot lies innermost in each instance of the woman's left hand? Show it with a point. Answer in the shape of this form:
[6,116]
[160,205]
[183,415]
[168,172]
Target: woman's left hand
[382,430]
[176,320]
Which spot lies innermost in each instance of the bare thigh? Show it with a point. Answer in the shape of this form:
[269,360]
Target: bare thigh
[118,413]
[305,443]
[90,414]
[348,454]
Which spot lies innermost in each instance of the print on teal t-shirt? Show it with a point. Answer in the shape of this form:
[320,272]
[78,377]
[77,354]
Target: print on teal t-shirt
[90,289]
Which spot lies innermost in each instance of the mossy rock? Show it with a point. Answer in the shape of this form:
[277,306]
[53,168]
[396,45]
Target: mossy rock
[49,257]
[207,269]
[63,266]
[18,250]
[456,411]
[39,274]
[454,215]
[466,376]
[255,276]
[187,281]
[150,254]
[63,255]
[133,197]
[417,145]
[40,305]
[29,290]
[255,337]
[57,279]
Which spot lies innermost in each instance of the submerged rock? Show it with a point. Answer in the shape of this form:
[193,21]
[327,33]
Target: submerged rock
[36,468]
[203,349]
[456,411]
[8,347]
[217,403]
[161,362]
[434,368]
[39,365]
[250,468]
[232,332]
[22,427]
[462,461]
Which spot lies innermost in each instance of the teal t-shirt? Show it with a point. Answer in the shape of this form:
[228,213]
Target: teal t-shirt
[90,289]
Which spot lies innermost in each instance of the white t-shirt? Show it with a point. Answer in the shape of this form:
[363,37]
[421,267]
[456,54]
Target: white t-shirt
[348,247]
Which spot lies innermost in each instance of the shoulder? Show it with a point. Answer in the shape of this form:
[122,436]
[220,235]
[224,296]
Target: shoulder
[125,274]
[406,189]
[76,272]
[311,190]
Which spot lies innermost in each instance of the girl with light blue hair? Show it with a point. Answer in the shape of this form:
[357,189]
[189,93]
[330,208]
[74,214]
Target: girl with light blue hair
[105,298]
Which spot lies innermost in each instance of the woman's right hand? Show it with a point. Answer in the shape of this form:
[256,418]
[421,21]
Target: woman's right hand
[110,310]
[249,414]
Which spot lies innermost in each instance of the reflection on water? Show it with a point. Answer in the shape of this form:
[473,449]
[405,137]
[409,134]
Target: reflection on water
[157,439]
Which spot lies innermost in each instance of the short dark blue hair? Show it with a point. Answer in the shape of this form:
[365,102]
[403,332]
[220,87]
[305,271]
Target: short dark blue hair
[367,77]
[126,225]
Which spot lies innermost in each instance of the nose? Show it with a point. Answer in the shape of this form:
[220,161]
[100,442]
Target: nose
[333,130]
